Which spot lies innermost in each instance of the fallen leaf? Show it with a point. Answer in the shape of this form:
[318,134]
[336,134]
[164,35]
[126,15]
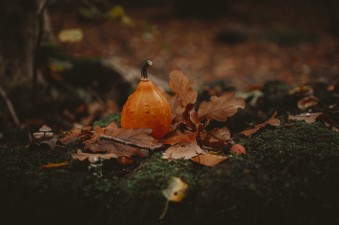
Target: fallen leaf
[181,137]
[238,149]
[75,136]
[307,117]
[190,117]
[92,158]
[130,141]
[216,138]
[209,159]
[181,86]
[271,121]
[70,35]
[176,108]
[54,165]
[220,108]
[175,190]
[183,150]
[307,102]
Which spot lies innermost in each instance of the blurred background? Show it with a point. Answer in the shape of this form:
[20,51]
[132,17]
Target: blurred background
[67,63]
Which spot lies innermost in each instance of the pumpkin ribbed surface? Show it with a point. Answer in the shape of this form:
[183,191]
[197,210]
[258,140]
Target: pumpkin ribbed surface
[147,108]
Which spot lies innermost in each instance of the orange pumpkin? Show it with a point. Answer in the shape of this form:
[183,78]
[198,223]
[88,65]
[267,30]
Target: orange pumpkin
[147,107]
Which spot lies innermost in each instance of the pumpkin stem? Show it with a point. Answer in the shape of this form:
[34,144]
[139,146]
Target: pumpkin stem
[144,69]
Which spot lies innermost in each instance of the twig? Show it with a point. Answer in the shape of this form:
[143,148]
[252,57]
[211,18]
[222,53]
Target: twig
[121,141]
[10,107]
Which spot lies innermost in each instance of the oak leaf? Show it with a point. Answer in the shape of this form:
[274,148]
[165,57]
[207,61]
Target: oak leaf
[183,150]
[124,142]
[217,138]
[209,159]
[176,108]
[180,85]
[220,108]
[181,137]
[75,136]
[271,121]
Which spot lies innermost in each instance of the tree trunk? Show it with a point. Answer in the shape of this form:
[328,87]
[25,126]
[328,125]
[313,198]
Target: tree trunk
[19,28]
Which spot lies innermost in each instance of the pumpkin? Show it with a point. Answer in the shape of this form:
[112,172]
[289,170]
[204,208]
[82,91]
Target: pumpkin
[147,107]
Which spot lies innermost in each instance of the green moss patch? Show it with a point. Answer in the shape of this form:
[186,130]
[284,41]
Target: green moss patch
[289,176]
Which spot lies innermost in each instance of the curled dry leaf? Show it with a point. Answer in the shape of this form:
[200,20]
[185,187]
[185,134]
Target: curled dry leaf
[183,150]
[308,102]
[271,121]
[238,149]
[220,108]
[307,117]
[92,158]
[216,138]
[209,159]
[181,86]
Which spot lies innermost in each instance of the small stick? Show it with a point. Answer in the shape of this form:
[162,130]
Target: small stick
[10,107]
[121,141]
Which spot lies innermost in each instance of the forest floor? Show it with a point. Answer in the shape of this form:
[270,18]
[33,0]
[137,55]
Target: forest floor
[279,58]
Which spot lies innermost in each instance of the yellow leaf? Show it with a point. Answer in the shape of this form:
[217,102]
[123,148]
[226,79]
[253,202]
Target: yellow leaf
[176,190]
[71,35]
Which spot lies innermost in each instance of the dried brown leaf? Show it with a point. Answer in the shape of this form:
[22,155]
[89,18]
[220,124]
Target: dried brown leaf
[75,136]
[176,108]
[183,150]
[307,117]
[217,138]
[220,108]
[223,134]
[126,146]
[181,86]
[139,136]
[92,158]
[308,102]
[271,121]
[181,137]
[209,159]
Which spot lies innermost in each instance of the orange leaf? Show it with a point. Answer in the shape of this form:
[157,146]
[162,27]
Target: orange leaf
[183,150]
[209,159]
[271,121]
[54,165]
[220,108]
[181,86]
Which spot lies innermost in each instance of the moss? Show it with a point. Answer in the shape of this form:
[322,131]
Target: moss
[290,176]
[114,117]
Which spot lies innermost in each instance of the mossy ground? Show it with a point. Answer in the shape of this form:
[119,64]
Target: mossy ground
[289,176]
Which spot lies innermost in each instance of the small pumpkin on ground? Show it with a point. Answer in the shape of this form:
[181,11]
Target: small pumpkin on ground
[147,107]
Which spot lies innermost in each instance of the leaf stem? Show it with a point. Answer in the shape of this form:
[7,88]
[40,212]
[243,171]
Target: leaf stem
[164,212]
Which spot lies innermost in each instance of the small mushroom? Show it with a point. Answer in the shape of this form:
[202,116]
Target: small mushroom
[44,132]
